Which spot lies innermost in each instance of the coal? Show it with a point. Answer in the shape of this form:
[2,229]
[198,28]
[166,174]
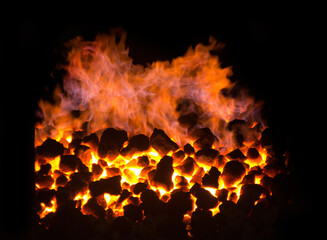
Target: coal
[96,170]
[187,167]
[252,153]
[249,179]
[92,140]
[93,208]
[151,203]
[109,185]
[70,223]
[161,142]
[163,173]
[45,195]
[179,203]
[252,191]
[102,163]
[203,225]
[143,161]
[178,156]
[210,179]
[133,212]
[222,195]
[233,171]
[204,138]
[113,171]
[44,169]
[111,142]
[236,125]
[69,163]
[188,120]
[84,153]
[204,199]
[145,171]
[76,186]
[197,176]
[136,144]
[44,181]
[61,180]
[188,149]
[207,156]
[240,131]
[181,181]
[85,176]
[123,196]
[139,187]
[50,149]
[267,138]
[236,155]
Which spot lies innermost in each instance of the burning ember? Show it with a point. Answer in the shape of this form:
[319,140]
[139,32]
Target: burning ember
[171,150]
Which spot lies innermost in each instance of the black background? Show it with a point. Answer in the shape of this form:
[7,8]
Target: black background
[269,57]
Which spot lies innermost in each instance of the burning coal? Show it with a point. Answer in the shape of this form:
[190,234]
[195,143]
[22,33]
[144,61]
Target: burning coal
[129,142]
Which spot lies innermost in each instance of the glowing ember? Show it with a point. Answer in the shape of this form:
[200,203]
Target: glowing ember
[120,132]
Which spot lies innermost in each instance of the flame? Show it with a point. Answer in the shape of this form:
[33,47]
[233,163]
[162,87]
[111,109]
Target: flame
[108,90]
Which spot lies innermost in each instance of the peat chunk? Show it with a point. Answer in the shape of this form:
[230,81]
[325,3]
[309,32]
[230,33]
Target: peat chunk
[163,173]
[50,149]
[188,149]
[161,142]
[111,142]
[236,155]
[133,212]
[93,208]
[136,144]
[211,179]
[109,185]
[233,171]
[188,120]
[207,156]
[69,163]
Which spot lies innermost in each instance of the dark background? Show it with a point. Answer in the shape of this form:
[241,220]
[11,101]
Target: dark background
[268,57]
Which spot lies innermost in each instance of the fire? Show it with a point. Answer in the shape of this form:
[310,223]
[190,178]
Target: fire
[104,89]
